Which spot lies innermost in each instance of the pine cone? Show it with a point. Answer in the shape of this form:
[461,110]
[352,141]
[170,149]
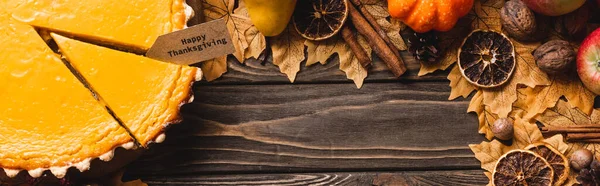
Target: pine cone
[591,176]
[424,47]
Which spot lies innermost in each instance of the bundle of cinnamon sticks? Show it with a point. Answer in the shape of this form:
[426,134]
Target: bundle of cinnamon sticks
[367,25]
[575,133]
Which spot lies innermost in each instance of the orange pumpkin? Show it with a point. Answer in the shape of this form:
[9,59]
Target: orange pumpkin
[425,15]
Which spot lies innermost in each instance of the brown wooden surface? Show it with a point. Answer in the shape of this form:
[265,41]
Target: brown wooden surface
[252,127]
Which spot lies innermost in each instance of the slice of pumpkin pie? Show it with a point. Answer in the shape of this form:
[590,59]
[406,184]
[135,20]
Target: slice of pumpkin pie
[48,119]
[145,94]
[132,24]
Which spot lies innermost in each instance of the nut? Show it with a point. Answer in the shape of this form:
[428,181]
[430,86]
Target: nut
[518,20]
[581,159]
[503,129]
[555,57]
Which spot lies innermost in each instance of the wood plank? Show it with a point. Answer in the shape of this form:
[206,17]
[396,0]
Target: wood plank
[455,177]
[320,127]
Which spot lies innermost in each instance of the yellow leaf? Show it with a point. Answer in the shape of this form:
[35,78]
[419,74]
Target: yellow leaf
[320,51]
[214,68]
[460,86]
[350,65]
[255,39]
[525,134]
[487,118]
[486,14]
[542,97]
[236,24]
[288,52]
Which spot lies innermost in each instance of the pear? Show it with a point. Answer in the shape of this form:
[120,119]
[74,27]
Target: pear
[270,17]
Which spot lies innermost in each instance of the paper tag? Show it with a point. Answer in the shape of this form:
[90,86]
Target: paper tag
[194,44]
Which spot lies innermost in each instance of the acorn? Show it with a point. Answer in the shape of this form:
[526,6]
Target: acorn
[581,158]
[503,129]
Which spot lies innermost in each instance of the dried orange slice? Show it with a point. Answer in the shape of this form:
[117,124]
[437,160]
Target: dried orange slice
[320,19]
[559,163]
[486,58]
[522,167]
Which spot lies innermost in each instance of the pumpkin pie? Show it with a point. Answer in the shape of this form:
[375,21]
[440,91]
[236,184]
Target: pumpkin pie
[131,24]
[48,119]
[56,114]
[144,93]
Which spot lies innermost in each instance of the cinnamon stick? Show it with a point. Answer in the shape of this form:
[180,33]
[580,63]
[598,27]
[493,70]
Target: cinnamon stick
[570,130]
[369,17]
[395,64]
[582,136]
[359,51]
[585,140]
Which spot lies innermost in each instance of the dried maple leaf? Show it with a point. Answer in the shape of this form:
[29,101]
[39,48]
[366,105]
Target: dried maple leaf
[542,97]
[288,52]
[460,86]
[525,134]
[236,24]
[320,51]
[392,27]
[214,68]
[255,39]
[350,64]
[487,118]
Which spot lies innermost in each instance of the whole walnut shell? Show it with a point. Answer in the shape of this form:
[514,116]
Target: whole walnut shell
[518,20]
[555,57]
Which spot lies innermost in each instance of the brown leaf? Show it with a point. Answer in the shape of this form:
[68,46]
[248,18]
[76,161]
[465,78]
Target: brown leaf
[255,39]
[392,27]
[487,118]
[214,68]
[542,97]
[320,51]
[288,52]
[350,64]
[525,134]
[460,86]
[115,179]
[237,24]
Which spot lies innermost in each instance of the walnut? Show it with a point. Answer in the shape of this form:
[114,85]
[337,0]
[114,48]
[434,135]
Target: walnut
[518,20]
[555,57]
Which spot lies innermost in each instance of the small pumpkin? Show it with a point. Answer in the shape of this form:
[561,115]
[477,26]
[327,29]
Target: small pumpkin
[425,15]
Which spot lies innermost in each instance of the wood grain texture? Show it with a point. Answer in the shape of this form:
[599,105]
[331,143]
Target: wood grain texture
[457,177]
[318,127]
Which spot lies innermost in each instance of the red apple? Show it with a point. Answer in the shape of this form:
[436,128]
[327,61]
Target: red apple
[588,61]
[553,7]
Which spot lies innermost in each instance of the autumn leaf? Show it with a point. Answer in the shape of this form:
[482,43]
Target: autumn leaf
[487,118]
[542,97]
[460,86]
[350,64]
[214,68]
[320,51]
[391,27]
[237,24]
[255,39]
[288,52]
[525,133]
